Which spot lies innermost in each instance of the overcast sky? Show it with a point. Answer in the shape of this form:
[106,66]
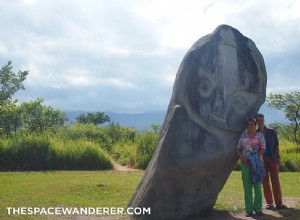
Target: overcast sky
[123,55]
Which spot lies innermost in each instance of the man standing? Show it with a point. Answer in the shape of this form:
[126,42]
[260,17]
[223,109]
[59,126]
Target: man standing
[271,163]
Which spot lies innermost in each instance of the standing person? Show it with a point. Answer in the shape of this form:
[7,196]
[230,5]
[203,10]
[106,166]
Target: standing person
[271,163]
[251,143]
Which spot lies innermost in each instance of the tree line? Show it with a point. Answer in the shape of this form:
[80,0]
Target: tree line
[289,103]
[34,136]
[32,116]
[40,131]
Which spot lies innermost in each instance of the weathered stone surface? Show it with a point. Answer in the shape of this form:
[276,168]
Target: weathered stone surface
[220,82]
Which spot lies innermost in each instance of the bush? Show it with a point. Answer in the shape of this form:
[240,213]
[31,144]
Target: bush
[125,153]
[78,131]
[22,153]
[39,152]
[78,155]
[136,152]
[145,148]
[290,157]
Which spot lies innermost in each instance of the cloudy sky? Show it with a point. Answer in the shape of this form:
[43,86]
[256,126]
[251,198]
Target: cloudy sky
[123,55]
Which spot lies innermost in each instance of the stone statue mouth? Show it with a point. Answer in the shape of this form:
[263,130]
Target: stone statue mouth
[217,119]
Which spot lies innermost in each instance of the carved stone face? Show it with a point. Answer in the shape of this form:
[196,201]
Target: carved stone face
[219,83]
[221,104]
[223,86]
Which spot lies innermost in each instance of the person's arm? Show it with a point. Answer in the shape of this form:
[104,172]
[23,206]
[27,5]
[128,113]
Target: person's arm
[262,146]
[276,145]
[243,159]
[261,152]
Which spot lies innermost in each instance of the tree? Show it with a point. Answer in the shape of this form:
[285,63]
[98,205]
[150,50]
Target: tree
[10,82]
[97,118]
[290,104]
[10,117]
[37,117]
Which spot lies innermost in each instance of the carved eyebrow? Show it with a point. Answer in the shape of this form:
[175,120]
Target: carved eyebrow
[202,72]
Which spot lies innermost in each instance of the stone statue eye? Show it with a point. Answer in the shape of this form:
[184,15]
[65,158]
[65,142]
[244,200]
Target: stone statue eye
[240,103]
[205,88]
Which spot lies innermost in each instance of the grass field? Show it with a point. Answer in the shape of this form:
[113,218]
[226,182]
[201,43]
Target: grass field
[103,189]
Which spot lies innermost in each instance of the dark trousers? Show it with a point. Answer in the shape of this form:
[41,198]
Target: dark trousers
[272,170]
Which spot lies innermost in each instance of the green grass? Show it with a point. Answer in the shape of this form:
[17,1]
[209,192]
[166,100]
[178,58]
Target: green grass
[232,193]
[103,189]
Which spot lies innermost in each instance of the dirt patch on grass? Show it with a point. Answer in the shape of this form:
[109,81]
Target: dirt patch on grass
[120,168]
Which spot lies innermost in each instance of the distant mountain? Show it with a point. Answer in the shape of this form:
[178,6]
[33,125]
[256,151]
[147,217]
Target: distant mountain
[144,120]
[137,120]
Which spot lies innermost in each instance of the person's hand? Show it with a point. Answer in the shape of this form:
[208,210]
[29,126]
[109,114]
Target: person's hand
[244,161]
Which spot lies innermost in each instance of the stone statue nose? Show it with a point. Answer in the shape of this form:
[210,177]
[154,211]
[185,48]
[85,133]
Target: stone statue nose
[218,105]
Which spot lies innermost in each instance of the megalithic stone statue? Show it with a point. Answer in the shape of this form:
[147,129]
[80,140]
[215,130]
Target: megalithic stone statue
[220,82]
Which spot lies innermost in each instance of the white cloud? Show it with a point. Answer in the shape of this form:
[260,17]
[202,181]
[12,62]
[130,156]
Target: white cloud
[125,54]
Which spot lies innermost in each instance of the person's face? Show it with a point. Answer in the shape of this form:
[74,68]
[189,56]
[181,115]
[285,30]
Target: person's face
[260,122]
[251,126]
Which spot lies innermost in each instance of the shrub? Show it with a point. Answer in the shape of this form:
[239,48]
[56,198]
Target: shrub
[25,153]
[146,145]
[125,153]
[136,149]
[78,155]
[39,152]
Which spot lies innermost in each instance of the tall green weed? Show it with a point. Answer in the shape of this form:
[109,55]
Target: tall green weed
[125,153]
[145,148]
[290,156]
[39,152]
[137,153]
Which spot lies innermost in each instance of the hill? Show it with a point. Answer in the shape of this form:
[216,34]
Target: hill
[137,120]
[144,120]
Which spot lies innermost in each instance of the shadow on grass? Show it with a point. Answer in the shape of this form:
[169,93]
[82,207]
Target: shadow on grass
[212,215]
[290,214]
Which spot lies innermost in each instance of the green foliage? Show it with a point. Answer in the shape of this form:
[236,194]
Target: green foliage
[77,131]
[290,156]
[37,117]
[10,117]
[10,82]
[132,148]
[117,134]
[125,153]
[114,133]
[290,104]
[39,152]
[285,131]
[31,116]
[97,118]
[77,155]
[146,146]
